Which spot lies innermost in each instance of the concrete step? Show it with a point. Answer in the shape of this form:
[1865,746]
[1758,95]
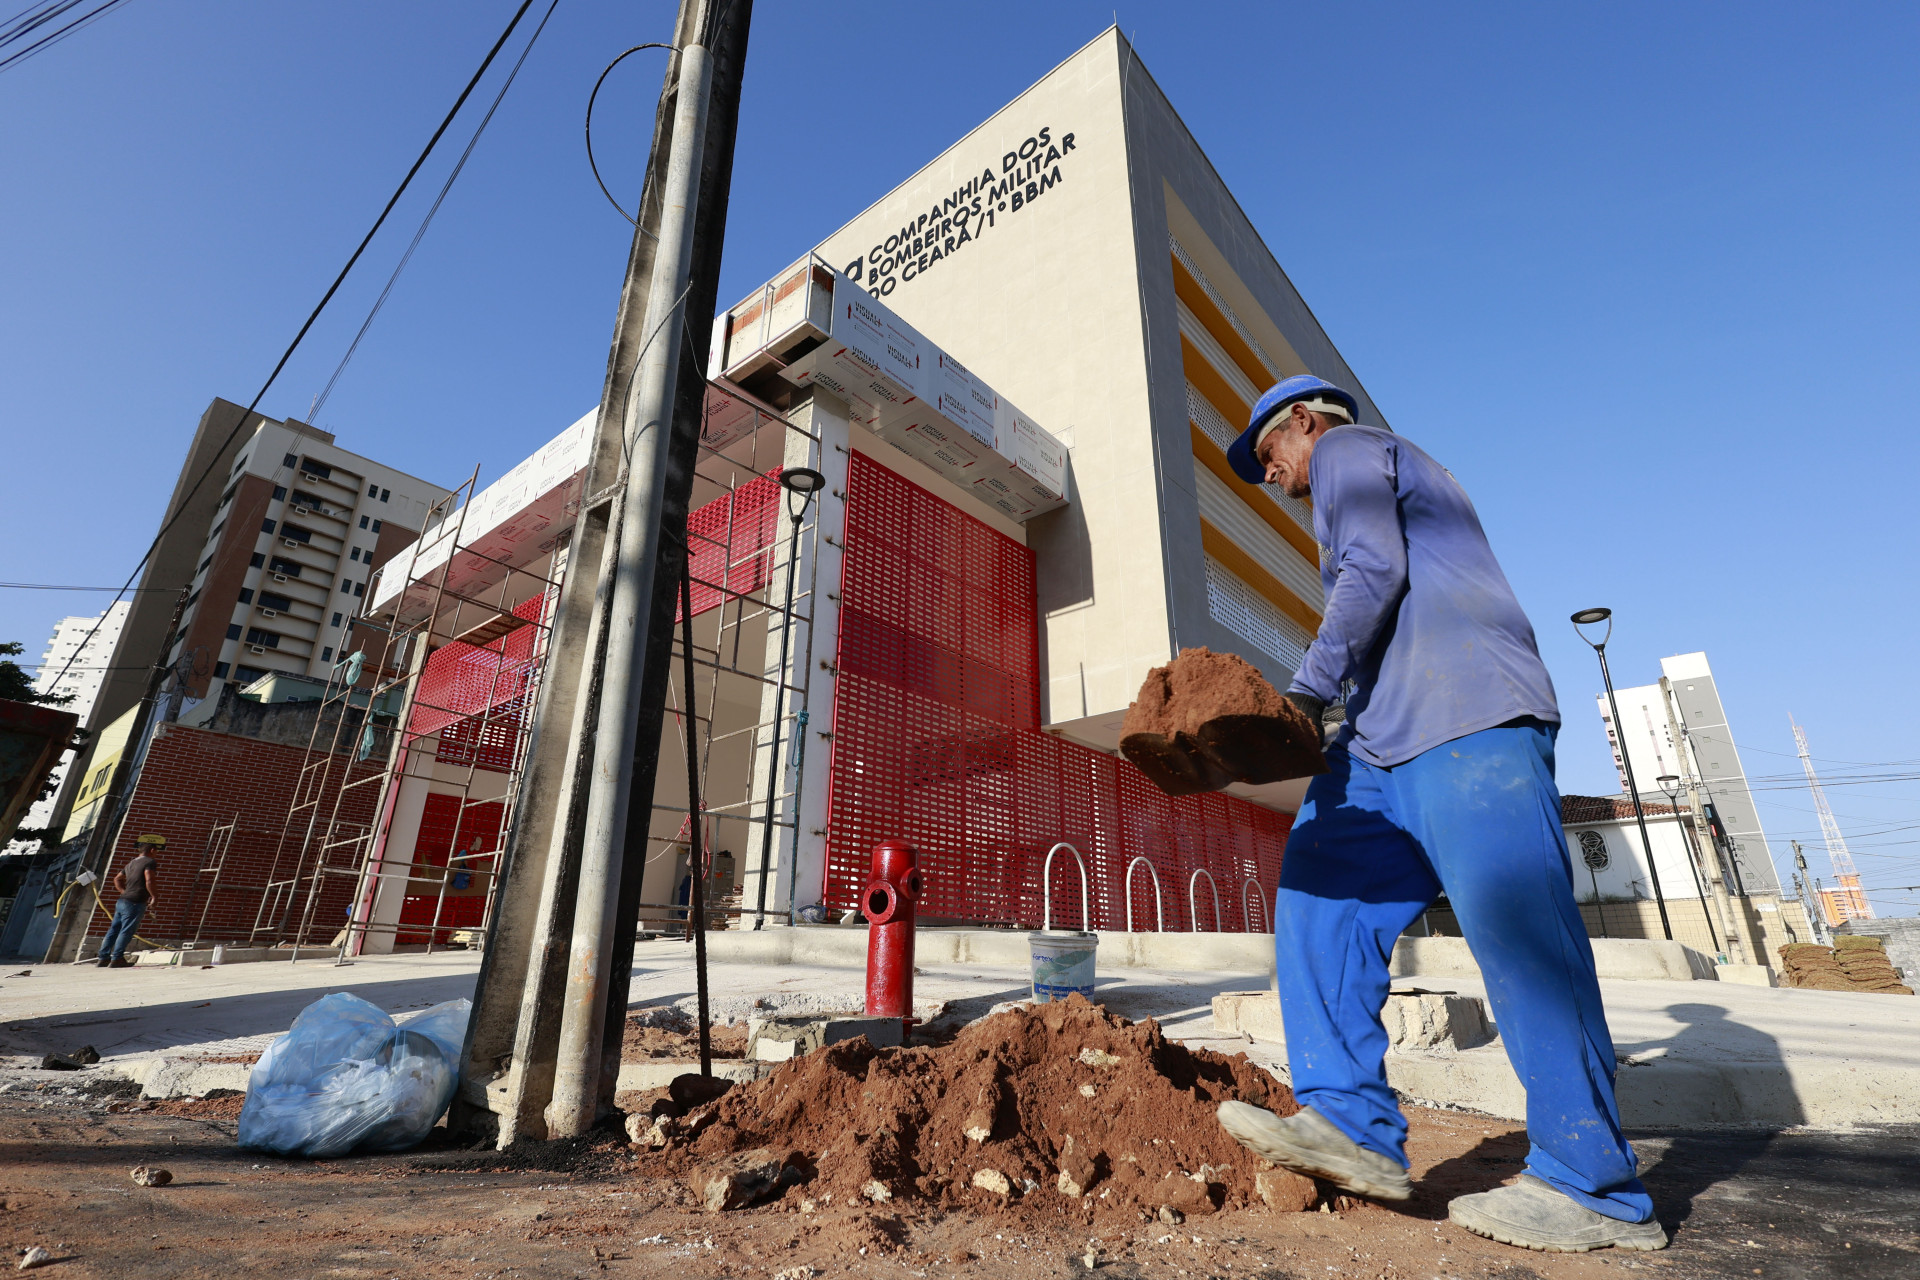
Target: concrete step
[842,946]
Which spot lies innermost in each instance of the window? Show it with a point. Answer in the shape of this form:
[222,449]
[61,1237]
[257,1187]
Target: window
[203,566]
[227,497]
[219,671]
[279,493]
[320,469]
[326,654]
[295,532]
[257,560]
[355,554]
[373,491]
[239,463]
[257,635]
[266,526]
[246,595]
[283,566]
[215,535]
[363,522]
[247,675]
[306,499]
[271,600]
[191,599]
[336,619]
[376,526]
[233,632]
[384,493]
[360,588]
[292,461]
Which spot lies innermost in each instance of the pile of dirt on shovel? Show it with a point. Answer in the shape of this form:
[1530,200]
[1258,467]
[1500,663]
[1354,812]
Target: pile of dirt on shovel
[1208,719]
[1059,1109]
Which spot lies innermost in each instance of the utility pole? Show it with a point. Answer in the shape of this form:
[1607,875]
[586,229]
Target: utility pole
[70,930]
[1802,885]
[1740,949]
[557,964]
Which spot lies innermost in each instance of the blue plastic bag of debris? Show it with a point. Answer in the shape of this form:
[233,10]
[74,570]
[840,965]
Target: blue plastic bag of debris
[347,1077]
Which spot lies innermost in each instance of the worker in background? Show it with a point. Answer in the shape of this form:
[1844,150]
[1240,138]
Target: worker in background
[137,882]
[1439,780]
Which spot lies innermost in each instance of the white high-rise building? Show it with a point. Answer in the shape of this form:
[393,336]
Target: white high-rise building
[75,662]
[1647,735]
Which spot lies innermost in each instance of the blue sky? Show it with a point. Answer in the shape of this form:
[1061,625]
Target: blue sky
[1643,276]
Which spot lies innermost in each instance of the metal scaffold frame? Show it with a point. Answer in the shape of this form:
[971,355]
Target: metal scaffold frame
[323,843]
[740,533]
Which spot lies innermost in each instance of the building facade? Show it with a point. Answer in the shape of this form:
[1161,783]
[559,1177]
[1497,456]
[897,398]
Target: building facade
[1679,728]
[74,664]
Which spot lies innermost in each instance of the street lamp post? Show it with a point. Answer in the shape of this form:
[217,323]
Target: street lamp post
[1588,617]
[1669,784]
[803,483]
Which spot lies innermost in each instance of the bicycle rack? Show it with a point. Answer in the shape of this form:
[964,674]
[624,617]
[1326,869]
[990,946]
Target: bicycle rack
[1046,889]
[1159,910]
[1193,907]
[1266,912]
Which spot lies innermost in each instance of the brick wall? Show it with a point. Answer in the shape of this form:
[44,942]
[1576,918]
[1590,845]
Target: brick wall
[195,780]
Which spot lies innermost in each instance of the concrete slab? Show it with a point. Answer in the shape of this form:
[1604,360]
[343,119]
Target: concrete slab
[840,945]
[1693,1052]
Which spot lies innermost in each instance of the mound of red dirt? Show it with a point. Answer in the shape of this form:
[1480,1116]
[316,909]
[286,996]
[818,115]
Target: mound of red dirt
[1061,1108]
[1207,719]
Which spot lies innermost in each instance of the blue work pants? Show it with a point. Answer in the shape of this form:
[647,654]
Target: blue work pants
[1371,848]
[126,918]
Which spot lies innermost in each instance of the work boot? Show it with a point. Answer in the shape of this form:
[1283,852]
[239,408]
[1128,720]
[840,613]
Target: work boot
[1308,1143]
[105,961]
[1534,1215]
[121,962]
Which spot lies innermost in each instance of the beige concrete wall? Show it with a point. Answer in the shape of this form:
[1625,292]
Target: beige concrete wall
[1044,304]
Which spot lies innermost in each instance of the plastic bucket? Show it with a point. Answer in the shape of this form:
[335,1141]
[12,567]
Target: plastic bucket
[1063,962]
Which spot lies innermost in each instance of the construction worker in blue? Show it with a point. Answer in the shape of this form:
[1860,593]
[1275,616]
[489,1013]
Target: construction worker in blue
[1439,780]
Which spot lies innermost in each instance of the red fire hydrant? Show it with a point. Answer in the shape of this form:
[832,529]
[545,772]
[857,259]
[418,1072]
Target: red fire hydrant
[888,902]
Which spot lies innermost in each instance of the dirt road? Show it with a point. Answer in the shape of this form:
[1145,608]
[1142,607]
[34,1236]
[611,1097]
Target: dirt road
[580,1209]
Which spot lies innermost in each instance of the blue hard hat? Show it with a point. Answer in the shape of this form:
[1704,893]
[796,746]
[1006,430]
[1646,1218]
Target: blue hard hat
[1303,386]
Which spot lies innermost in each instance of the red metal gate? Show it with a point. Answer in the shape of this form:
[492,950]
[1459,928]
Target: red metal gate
[936,739]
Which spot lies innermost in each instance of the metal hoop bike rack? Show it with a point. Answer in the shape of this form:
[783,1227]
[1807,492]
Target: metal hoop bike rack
[1046,889]
[1159,909]
[1193,907]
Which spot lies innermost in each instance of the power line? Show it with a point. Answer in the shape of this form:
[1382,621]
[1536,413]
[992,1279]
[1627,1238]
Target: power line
[48,586]
[328,297]
[48,41]
[319,401]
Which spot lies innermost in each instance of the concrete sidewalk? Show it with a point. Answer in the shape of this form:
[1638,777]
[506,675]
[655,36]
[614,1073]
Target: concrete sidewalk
[1693,1052]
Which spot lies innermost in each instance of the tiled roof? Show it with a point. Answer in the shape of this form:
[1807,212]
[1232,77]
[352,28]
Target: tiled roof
[1607,809]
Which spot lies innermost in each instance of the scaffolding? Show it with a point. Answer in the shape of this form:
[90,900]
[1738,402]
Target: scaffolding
[446,708]
[443,700]
[740,536]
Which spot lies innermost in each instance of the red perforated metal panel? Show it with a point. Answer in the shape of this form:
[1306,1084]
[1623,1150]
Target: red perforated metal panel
[463,680]
[936,739]
[731,539]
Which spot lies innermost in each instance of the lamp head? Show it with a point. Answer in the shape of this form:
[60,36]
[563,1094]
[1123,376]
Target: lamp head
[1588,616]
[802,480]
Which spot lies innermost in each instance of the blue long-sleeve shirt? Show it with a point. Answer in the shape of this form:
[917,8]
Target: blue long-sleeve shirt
[1419,615]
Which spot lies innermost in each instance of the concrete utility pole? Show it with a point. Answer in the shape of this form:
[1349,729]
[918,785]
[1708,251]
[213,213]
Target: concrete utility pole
[539,984]
[635,555]
[1733,925]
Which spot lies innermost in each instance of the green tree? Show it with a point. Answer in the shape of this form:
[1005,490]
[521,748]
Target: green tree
[17,686]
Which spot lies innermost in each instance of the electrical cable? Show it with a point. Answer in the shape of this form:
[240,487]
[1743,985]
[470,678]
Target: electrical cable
[590,161]
[298,337]
[25,21]
[49,586]
[319,401]
[48,41]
